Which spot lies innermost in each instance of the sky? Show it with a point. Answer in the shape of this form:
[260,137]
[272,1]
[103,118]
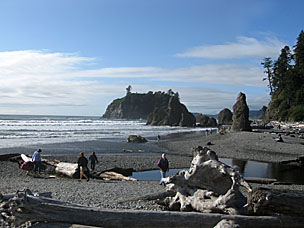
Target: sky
[74,57]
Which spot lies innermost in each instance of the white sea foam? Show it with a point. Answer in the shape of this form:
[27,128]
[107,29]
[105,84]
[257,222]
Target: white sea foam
[25,130]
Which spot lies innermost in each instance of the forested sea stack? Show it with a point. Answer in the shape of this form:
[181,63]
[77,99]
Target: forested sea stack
[158,108]
[240,118]
[285,78]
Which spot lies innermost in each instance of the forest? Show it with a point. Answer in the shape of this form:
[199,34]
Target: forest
[285,77]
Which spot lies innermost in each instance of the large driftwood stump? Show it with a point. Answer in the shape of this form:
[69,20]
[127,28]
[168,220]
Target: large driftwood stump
[208,186]
[270,201]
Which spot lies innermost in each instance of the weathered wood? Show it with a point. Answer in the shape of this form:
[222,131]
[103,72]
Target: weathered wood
[155,196]
[260,180]
[67,169]
[207,186]
[5,157]
[126,172]
[115,176]
[39,209]
[299,161]
[269,201]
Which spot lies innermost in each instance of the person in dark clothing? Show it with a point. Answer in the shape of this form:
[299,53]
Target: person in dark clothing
[36,158]
[93,159]
[279,138]
[83,167]
[163,165]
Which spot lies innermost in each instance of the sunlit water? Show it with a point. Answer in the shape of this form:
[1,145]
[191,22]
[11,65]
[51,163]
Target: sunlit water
[22,130]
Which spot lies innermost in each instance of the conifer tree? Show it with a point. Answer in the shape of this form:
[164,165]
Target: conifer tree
[299,68]
[281,70]
[299,53]
[268,64]
[286,78]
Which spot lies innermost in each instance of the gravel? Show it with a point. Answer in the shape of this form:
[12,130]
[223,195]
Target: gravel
[121,194]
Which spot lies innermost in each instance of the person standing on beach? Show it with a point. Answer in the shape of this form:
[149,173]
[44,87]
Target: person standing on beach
[83,167]
[93,159]
[36,158]
[163,165]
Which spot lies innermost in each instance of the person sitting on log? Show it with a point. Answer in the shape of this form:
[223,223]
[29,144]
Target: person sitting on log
[83,167]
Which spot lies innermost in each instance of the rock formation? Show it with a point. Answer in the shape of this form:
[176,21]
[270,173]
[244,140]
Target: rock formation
[136,139]
[157,108]
[225,117]
[206,121]
[208,186]
[136,105]
[174,114]
[240,118]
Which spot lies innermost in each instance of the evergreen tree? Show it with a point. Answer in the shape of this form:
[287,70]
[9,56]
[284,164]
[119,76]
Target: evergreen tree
[286,81]
[281,69]
[299,68]
[299,53]
[268,64]
[129,88]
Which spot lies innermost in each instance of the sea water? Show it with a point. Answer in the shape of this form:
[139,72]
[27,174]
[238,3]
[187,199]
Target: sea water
[23,130]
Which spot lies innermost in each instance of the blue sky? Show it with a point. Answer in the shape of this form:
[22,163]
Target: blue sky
[72,57]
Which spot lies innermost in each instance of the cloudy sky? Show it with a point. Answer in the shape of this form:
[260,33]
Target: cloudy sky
[73,57]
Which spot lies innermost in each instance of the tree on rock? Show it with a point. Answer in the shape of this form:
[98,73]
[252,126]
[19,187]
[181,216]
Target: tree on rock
[129,88]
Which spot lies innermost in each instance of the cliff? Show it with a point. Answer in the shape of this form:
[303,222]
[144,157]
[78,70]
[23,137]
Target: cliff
[136,105]
[174,114]
[157,108]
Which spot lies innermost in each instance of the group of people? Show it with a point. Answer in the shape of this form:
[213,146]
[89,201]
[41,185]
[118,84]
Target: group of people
[35,164]
[83,162]
[83,165]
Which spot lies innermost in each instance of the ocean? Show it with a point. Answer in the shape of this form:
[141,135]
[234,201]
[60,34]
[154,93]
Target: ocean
[25,130]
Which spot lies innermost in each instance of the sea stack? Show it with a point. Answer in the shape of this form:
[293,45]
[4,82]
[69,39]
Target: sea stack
[174,114]
[225,117]
[240,118]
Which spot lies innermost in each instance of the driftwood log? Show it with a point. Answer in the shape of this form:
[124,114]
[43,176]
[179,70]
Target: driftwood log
[25,207]
[115,176]
[71,170]
[208,186]
[299,161]
[270,201]
[5,157]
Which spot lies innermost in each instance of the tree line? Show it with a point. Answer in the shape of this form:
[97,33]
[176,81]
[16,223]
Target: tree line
[285,77]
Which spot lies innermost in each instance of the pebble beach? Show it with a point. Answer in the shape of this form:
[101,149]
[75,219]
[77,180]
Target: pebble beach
[256,146]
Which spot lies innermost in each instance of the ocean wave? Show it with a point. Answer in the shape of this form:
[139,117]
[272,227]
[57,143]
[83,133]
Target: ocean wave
[25,130]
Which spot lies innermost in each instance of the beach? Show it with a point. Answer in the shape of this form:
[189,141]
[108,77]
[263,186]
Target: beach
[124,194]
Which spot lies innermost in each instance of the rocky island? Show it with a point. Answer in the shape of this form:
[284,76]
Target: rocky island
[158,108]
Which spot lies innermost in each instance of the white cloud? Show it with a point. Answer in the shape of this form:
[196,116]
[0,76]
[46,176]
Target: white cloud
[231,74]
[36,80]
[243,47]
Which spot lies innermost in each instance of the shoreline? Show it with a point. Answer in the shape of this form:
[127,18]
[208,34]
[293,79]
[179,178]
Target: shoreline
[118,194]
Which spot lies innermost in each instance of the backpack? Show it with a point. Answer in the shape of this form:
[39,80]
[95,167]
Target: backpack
[28,165]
